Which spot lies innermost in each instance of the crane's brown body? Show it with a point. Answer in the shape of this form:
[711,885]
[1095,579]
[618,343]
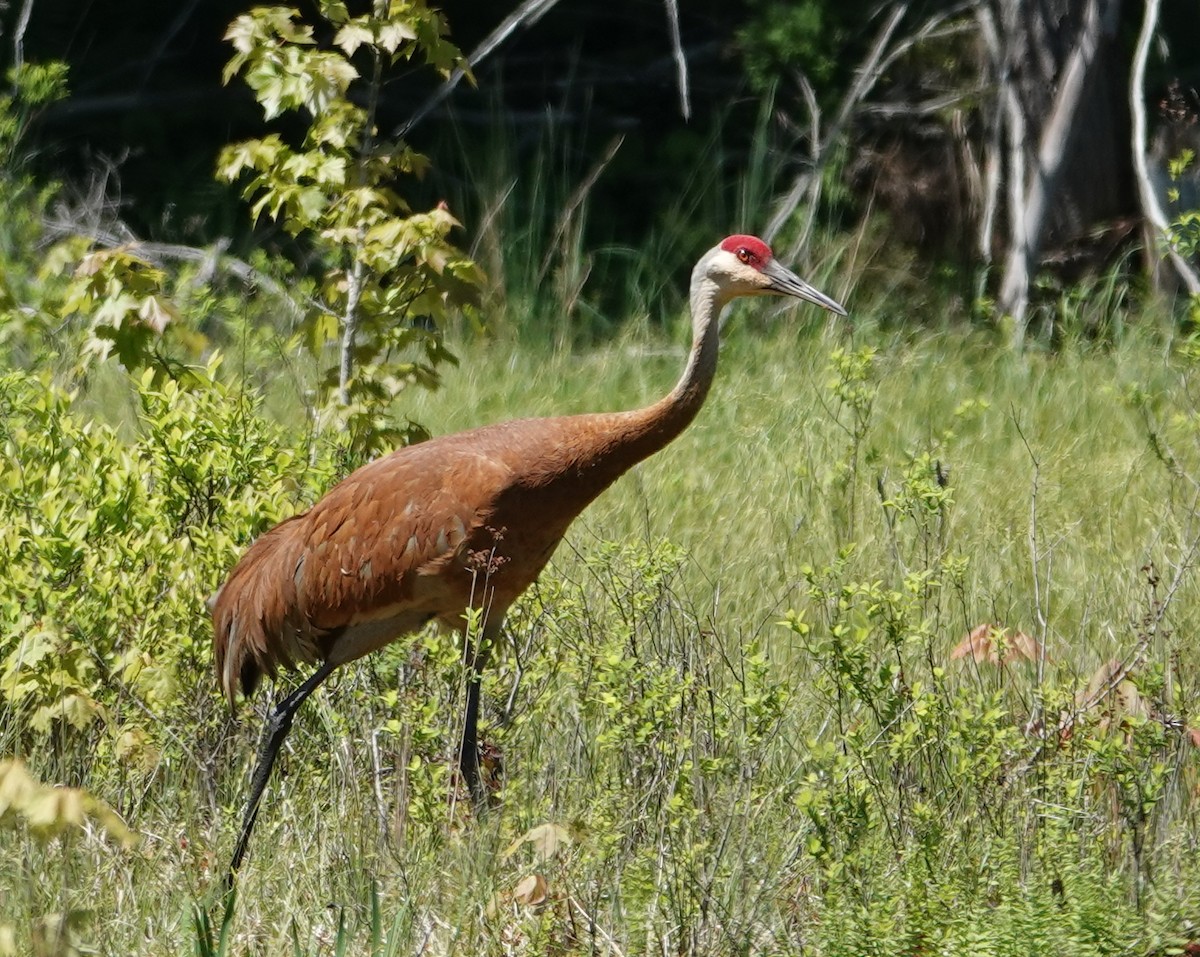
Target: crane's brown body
[465,521]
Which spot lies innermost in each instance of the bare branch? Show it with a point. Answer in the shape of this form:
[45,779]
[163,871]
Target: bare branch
[865,78]
[994,145]
[868,74]
[928,107]
[808,178]
[19,34]
[931,29]
[214,258]
[681,72]
[527,14]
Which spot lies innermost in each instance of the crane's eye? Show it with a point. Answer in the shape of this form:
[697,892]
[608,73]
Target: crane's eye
[746,256]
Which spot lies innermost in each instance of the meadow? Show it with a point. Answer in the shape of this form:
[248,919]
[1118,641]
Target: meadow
[726,721]
[891,652]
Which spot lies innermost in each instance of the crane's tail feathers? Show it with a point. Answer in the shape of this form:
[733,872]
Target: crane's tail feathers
[258,626]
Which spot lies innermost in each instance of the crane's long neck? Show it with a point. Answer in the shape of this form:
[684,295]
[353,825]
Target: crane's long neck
[675,412]
[632,436]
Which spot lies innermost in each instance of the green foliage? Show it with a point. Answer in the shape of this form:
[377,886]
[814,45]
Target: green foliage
[390,275]
[672,771]
[112,547]
[780,38]
[73,304]
[31,88]
[1183,233]
[123,298]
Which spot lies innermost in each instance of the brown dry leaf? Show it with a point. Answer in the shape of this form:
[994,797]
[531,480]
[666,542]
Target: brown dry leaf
[987,642]
[1130,700]
[545,839]
[528,892]
[977,644]
[1126,701]
[1101,679]
[1023,647]
[531,890]
[1194,735]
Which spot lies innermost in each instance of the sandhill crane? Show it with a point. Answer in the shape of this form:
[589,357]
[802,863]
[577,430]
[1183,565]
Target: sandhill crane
[465,521]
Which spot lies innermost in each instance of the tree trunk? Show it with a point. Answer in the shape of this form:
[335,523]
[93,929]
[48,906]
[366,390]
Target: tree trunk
[1060,128]
[1152,211]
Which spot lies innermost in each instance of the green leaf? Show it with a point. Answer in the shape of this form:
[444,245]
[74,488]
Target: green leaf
[353,35]
[394,33]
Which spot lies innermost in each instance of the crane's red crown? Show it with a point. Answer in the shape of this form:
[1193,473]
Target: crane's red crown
[749,249]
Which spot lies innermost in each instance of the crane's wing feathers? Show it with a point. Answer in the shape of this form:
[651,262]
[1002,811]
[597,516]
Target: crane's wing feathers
[360,567]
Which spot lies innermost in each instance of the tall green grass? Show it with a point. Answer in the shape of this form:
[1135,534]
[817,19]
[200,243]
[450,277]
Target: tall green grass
[572,260]
[719,780]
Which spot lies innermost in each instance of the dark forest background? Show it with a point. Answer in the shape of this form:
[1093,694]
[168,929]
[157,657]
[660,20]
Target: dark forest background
[925,150]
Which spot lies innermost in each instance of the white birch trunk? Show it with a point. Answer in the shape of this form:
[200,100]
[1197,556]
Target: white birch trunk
[1156,219]
[1039,188]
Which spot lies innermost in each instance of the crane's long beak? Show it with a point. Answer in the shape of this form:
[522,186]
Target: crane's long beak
[784,281]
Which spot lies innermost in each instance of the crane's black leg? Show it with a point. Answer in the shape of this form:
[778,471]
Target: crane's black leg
[278,725]
[468,752]
[475,657]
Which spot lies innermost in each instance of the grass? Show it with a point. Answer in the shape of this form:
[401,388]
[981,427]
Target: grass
[1062,421]
[723,783]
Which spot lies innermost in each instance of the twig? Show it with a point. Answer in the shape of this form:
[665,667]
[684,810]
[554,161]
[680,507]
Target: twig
[527,14]
[596,928]
[865,78]
[577,200]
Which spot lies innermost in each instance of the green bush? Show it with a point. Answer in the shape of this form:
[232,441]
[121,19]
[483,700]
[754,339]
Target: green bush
[113,546]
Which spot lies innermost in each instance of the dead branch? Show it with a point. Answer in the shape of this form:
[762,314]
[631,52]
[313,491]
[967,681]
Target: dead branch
[865,78]
[993,147]
[213,258]
[527,14]
[681,72]
[19,34]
